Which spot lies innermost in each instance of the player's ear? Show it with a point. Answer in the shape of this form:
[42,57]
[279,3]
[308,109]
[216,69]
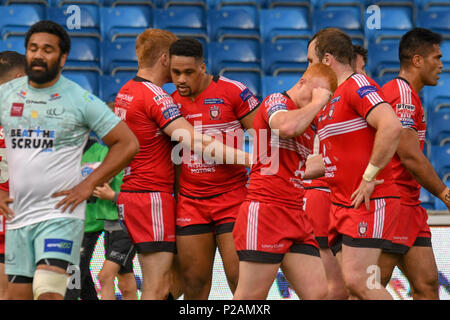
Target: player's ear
[63,60]
[165,60]
[327,58]
[417,60]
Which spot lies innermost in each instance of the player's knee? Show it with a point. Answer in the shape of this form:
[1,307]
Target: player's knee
[127,286]
[337,292]
[356,284]
[106,278]
[49,284]
[426,288]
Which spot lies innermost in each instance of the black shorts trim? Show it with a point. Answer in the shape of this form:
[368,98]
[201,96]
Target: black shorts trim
[202,198]
[317,188]
[19,279]
[156,246]
[383,244]
[422,242]
[397,249]
[55,263]
[303,248]
[260,256]
[224,228]
[323,242]
[194,229]
[2,258]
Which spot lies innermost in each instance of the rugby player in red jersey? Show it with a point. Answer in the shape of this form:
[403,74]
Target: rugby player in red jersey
[420,65]
[210,194]
[272,230]
[145,202]
[359,134]
[12,66]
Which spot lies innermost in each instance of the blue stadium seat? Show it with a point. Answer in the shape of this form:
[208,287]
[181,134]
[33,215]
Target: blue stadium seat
[437,97]
[184,21]
[321,4]
[232,23]
[424,5]
[84,54]
[440,159]
[284,23]
[436,20]
[234,55]
[395,21]
[111,85]
[167,3]
[386,77]
[119,56]
[15,19]
[44,3]
[124,22]
[252,80]
[169,87]
[438,128]
[218,4]
[285,56]
[288,3]
[383,58]
[60,3]
[114,3]
[426,199]
[445,49]
[13,44]
[346,18]
[89,19]
[271,84]
[87,80]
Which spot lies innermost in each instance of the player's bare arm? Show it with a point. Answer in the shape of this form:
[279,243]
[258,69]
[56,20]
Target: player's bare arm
[294,122]
[315,167]
[182,131]
[387,137]
[419,166]
[104,192]
[4,208]
[123,145]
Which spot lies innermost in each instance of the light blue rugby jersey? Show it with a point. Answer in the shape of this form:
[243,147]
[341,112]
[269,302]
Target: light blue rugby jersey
[45,132]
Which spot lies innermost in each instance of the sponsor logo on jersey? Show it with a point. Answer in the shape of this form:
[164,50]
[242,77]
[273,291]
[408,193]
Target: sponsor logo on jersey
[17,109]
[54,113]
[54,96]
[28,101]
[34,114]
[406,107]
[363,227]
[365,90]
[170,111]
[32,139]
[58,245]
[121,113]
[213,101]
[164,99]
[246,94]
[22,94]
[331,112]
[214,112]
[276,108]
[335,99]
[253,102]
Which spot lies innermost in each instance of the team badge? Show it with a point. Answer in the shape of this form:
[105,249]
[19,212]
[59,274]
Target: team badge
[214,113]
[362,229]
[330,113]
[54,96]
[17,109]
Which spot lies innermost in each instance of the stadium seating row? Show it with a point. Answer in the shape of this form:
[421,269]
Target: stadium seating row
[217,4]
[113,23]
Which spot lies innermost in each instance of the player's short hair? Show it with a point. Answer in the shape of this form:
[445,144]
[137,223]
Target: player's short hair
[51,27]
[188,47]
[357,49]
[151,44]
[417,41]
[11,60]
[323,71]
[335,42]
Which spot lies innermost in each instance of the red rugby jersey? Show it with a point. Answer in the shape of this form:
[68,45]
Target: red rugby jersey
[347,139]
[406,104]
[147,109]
[4,177]
[276,175]
[217,112]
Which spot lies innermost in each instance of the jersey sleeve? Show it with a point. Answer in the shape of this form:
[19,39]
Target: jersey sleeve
[272,105]
[162,109]
[99,117]
[243,99]
[364,95]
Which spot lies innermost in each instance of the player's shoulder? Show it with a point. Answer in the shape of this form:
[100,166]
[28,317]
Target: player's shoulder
[362,80]
[230,83]
[14,85]
[77,94]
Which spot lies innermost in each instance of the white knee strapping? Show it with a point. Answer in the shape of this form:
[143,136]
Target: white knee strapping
[46,281]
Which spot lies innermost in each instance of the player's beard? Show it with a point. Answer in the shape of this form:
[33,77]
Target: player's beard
[186,93]
[42,76]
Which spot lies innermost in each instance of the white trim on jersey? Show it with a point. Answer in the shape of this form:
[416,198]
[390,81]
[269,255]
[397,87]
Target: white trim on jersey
[223,127]
[378,218]
[342,127]
[238,84]
[405,92]
[157,216]
[373,97]
[157,90]
[289,144]
[252,226]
